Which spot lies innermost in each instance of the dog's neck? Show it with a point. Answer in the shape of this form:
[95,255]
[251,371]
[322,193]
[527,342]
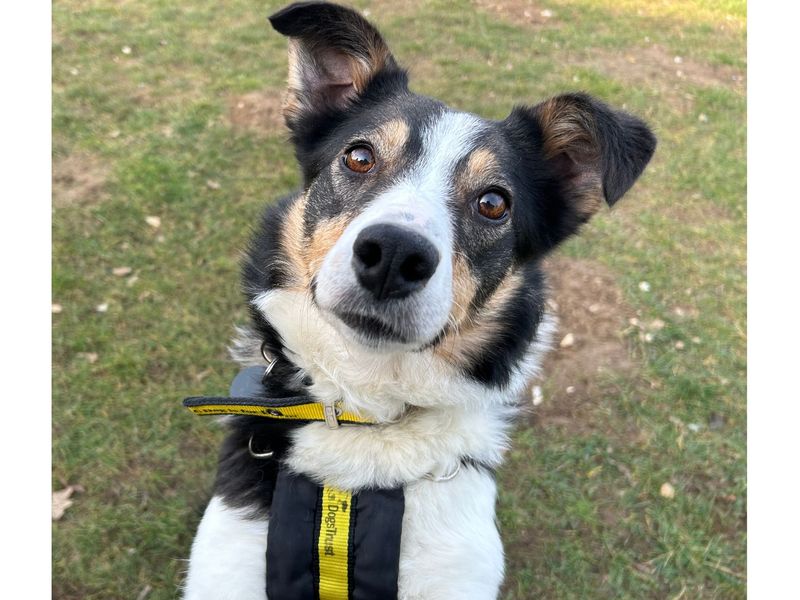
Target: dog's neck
[430,416]
[379,385]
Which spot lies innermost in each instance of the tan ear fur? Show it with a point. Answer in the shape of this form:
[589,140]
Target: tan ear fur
[334,53]
[570,140]
[327,76]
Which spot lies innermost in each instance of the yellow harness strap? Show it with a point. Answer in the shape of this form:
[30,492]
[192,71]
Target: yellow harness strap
[333,544]
[250,397]
[262,407]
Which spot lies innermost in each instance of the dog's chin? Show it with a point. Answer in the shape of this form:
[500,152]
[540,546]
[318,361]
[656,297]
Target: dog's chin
[372,332]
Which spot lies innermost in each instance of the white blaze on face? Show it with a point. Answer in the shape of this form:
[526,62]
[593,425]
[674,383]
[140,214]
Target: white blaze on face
[419,202]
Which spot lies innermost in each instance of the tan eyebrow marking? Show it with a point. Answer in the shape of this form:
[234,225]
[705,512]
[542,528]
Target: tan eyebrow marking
[394,133]
[481,162]
[482,166]
[390,138]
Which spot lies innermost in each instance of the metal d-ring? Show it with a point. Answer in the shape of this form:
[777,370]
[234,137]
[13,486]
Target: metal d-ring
[448,477]
[258,455]
[271,361]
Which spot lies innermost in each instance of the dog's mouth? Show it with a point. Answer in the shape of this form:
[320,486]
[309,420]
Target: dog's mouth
[371,328]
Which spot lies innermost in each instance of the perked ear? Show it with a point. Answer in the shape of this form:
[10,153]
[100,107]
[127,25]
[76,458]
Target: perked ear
[334,53]
[597,153]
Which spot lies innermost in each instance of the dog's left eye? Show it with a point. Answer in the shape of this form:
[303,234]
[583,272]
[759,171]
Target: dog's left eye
[359,159]
[493,206]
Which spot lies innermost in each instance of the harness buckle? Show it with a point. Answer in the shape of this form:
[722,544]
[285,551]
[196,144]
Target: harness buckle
[330,412]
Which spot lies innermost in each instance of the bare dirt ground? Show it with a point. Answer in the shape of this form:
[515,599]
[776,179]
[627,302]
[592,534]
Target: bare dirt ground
[79,179]
[655,65]
[519,11]
[589,345]
[257,112]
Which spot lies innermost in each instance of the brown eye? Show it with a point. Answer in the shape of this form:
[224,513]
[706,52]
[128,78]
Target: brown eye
[359,159]
[492,206]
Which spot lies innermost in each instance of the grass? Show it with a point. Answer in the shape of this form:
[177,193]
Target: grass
[580,507]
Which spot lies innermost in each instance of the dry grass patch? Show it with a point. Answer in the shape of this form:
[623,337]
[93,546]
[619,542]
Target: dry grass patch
[79,179]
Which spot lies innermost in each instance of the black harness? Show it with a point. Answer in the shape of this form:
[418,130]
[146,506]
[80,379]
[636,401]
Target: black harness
[323,543]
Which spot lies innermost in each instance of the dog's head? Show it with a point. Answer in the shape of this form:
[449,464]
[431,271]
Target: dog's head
[417,222]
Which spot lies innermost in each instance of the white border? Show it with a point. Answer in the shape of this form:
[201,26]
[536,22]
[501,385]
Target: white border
[773,300]
[773,303]
[25,118]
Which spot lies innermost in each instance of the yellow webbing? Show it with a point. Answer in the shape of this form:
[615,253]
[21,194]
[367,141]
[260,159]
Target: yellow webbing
[312,411]
[333,544]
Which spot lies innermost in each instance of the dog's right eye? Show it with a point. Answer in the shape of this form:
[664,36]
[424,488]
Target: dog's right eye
[359,159]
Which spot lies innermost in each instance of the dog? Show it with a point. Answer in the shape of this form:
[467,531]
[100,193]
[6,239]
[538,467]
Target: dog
[402,285]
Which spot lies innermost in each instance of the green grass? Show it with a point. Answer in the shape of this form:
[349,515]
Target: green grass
[580,508]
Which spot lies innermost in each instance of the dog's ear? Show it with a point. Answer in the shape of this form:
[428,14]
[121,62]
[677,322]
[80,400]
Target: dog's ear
[594,153]
[334,53]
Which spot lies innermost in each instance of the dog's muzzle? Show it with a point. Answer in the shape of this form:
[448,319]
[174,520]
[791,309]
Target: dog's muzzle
[387,282]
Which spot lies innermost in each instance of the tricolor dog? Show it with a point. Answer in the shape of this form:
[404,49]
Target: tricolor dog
[398,313]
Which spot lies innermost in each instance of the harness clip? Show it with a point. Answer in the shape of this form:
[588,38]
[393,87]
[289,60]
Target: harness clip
[258,455]
[271,361]
[330,412]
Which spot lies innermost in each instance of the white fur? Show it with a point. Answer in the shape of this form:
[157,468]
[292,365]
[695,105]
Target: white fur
[450,546]
[228,560]
[430,441]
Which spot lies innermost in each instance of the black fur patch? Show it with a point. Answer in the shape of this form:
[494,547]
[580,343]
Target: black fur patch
[243,481]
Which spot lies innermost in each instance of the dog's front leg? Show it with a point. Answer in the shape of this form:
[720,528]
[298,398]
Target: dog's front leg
[228,559]
[451,549]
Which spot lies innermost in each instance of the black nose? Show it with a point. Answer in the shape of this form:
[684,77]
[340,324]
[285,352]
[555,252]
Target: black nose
[393,262]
